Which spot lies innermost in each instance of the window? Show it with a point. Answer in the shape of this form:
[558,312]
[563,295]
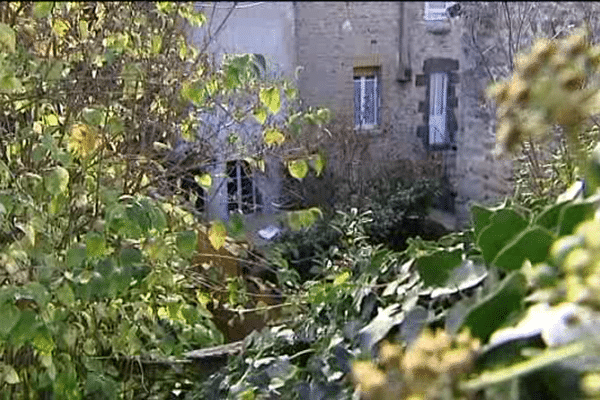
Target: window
[366,97]
[435,10]
[243,195]
[438,98]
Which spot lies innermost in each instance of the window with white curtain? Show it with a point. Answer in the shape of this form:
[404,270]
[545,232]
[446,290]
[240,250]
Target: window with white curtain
[438,98]
[366,98]
[435,10]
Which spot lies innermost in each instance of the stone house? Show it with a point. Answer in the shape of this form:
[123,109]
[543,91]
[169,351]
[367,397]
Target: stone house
[404,81]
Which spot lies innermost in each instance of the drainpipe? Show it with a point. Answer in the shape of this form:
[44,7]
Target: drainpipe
[403,56]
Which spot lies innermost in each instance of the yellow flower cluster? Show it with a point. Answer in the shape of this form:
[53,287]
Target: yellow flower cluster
[579,257]
[548,87]
[430,366]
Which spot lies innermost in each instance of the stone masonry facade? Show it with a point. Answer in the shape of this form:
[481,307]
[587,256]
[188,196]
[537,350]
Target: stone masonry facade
[333,42]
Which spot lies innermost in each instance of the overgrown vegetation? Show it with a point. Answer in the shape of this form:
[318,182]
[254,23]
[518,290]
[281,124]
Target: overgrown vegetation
[101,297]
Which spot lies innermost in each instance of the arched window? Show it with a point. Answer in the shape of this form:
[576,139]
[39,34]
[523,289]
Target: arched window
[242,193]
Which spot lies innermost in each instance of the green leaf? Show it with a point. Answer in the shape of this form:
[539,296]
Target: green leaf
[298,168]
[270,98]
[504,225]
[549,217]
[481,218]
[65,294]
[532,244]
[156,44]
[83,29]
[187,241]
[341,278]
[217,234]
[7,38]
[93,116]
[9,315]
[495,309]
[273,136]
[95,244]
[25,328]
[75,257]
[542,360]
[204,180]
[8,374]
[232,77]
[57,180]
[42,9]
[435,268]
[318,163]
[236,227]
[43,341]
[303,218]
[260,114]
[572,215]
[130,257]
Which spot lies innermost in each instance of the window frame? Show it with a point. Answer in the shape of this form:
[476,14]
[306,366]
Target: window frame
[435,13]
[239,198]
[363,75]
[438,109]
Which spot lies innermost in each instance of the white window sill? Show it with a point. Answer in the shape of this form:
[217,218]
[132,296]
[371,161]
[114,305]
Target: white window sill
[372,130]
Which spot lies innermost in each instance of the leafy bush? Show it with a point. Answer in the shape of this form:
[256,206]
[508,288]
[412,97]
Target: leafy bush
[398,210]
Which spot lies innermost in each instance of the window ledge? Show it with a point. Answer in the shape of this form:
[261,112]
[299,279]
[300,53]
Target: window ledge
[369,131]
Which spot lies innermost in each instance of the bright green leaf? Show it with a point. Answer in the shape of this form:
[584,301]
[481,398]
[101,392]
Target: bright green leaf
[95,244]
[217,234]
[204,180]
[318,163]
[42,9]
[43,341]
[260,114]
[298,168]
[273,136]
[341,278]
[271,99]
[7,38]
[57,180]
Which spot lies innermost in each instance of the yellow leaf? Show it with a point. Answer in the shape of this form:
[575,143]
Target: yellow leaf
[204,180]
[260,114]
[60,26]
[298,168]
[217,234]
[273,136]
[83,140]
[341,278]
[271,99]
